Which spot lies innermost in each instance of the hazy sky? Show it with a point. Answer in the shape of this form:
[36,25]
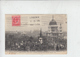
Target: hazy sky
[35,22]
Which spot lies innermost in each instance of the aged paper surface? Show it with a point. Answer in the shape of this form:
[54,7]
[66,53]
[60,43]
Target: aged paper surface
[35,34]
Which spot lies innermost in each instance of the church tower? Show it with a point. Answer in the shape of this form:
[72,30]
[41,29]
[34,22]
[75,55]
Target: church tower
[60,30]
[40,38]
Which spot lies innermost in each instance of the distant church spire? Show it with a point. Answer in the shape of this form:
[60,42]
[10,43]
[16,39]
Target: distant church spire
[40,32]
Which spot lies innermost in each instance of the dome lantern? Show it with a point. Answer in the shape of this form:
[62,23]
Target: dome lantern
[53,22]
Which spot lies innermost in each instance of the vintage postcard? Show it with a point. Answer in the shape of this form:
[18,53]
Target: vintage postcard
[35,34]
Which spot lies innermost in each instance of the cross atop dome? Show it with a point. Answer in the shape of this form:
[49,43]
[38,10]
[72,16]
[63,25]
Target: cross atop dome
[52,17]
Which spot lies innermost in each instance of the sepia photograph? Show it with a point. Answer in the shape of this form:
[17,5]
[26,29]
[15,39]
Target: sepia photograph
[35,33]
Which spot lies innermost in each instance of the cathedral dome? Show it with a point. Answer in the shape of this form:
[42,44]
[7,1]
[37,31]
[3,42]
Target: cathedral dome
[53,22]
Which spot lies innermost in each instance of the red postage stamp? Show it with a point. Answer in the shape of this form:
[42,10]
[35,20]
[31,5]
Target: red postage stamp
[16,20]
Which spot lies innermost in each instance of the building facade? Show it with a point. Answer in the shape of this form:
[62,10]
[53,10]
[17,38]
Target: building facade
[54,29]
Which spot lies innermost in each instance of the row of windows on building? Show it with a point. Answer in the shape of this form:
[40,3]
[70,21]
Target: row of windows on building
[57,34]
[54,31]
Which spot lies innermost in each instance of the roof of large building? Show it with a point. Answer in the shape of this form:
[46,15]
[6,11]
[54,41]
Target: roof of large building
[53,22]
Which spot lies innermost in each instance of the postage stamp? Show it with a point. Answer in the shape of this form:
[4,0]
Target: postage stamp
[36,34]
[16,20]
